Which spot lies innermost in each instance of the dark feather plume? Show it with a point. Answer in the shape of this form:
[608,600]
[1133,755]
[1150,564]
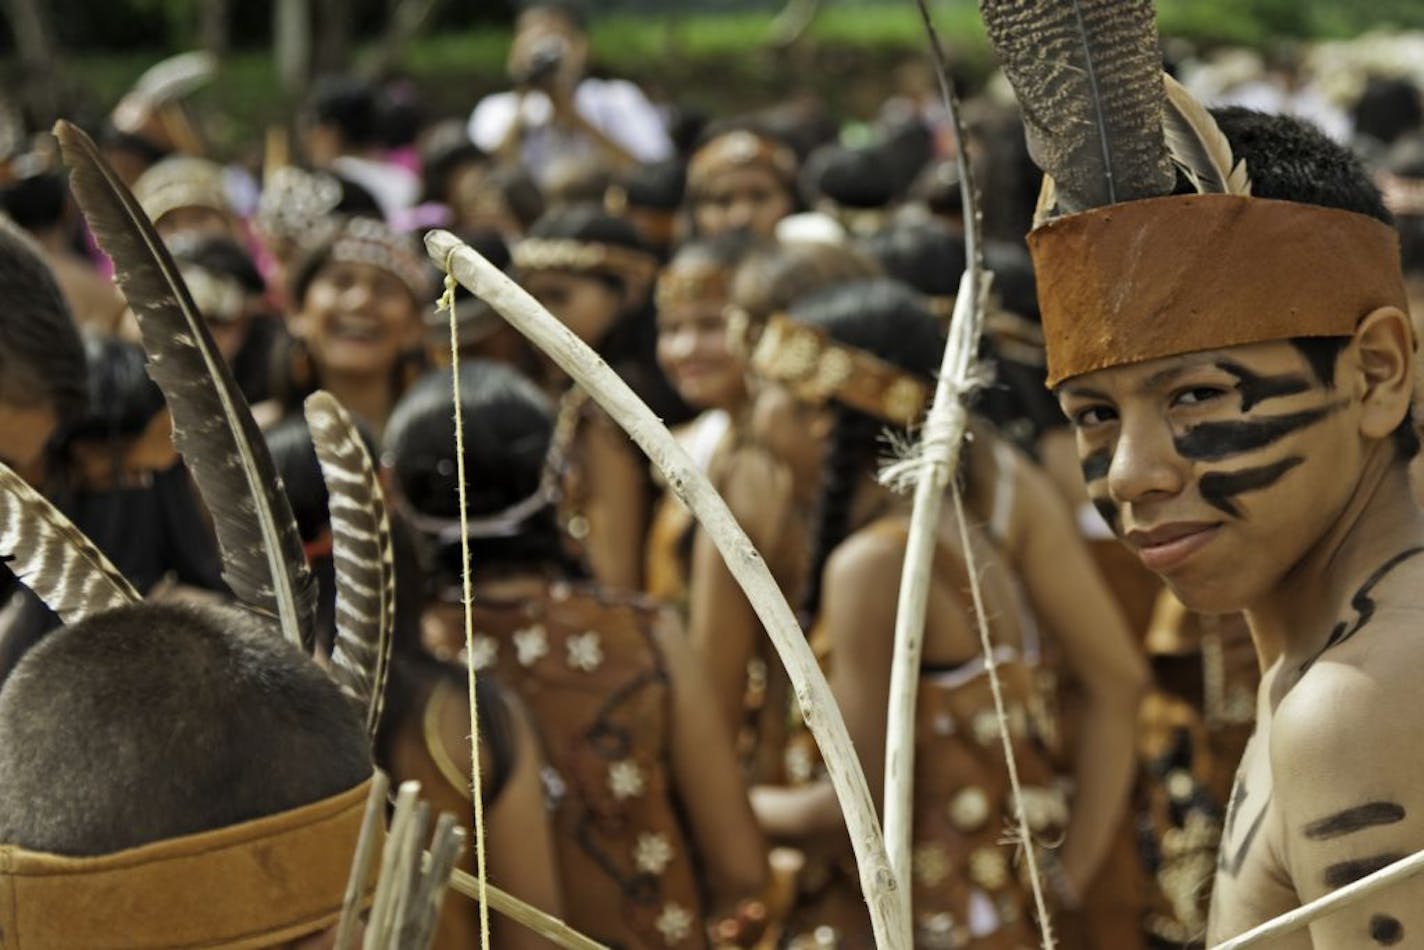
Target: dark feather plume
[1088,75]
[53,558]
[213,428]
[363,552]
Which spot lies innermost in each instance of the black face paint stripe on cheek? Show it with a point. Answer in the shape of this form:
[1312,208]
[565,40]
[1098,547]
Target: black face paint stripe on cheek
[1351,820]
[1348,872]
[1255,388]
[1096,465]
[1109,513]
[1212,441]
[1218,488]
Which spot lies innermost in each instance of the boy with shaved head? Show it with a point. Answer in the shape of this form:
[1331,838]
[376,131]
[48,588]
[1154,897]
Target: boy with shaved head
[1227,330]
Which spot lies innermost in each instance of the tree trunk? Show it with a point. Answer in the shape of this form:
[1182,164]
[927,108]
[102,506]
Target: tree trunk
[35,48]
[214,26]
[292,37]
[332,51]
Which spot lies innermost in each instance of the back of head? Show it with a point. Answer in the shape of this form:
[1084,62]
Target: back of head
[767,283]
[161,720]
[122,397]
[350,106]
[881,316]
[41,356]
[586,223]
[925,255]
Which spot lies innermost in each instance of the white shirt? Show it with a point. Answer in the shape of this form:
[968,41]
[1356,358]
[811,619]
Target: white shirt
[615,107]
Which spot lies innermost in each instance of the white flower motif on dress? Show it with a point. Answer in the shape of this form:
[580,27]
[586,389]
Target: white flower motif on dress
[584,652]
[652,854]
[931,864]
[486,651]
[625,779]
[531,644]
[675,924]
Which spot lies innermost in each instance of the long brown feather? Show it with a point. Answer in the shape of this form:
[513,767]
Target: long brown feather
[1088,77]
[53,558]
[263,559]
[363,552]
[1198,146]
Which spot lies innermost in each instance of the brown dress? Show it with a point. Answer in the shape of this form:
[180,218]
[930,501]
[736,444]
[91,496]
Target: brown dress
[587,667]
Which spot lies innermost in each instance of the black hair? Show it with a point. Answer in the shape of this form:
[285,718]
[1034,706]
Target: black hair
[520,192]
[446,149]
[357,201]
[924,254]
[35,202]
[111,138]
[849,177]
[350,106]
[219,254]
[892,322]
[41,355]
[774,275]
[1014,282]
[122,397]
[1388,109]
[574,11]
[508,428]
[171,705]
[658,185]
[937,188]
[724,251]
[1291,160]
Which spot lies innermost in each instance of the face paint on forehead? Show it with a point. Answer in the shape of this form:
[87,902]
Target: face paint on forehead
[1255,388]
[1213,441]
[1219,488]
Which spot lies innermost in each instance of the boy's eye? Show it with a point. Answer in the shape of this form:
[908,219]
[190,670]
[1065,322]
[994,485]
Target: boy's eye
[1197,395]
[1092,416]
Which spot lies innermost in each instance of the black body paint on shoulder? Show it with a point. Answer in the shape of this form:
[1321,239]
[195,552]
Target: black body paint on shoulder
[1218,488]
[1254,388]
[1351,820]
[1212,441]
[1096,465]
[1386,930]
[1348,872]
[1363,605]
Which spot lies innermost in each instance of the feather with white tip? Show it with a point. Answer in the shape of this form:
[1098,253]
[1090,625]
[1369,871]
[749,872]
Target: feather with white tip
[363,554]
[263,559]
[1198,146]
[53,558]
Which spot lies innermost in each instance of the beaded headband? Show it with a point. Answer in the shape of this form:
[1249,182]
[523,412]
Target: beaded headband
[368,241]
[817,369]
[295,205]
[181,182]
[739,149]
[586,257]
[690,285]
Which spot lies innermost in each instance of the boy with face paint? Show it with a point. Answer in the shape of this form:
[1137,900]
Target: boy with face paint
[1230,340]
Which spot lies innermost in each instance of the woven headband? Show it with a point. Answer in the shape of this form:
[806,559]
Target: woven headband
[817,368]
[584,257]
[1165,276]
[691,285]
[257,884]
[367,241]
[740,149]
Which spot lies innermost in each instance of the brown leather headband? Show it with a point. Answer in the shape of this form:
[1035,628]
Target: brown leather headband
[257,884]
[1165,276]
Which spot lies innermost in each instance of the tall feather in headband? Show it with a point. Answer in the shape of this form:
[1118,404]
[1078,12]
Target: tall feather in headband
[1088,76]
[53,558]
[363,552]
[263,560]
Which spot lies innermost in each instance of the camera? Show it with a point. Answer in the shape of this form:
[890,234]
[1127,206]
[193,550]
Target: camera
[544,62]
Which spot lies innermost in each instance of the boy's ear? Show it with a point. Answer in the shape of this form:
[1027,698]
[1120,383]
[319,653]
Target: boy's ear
[1383,368]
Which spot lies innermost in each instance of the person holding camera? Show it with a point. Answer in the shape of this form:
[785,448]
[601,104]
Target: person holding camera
[554,112]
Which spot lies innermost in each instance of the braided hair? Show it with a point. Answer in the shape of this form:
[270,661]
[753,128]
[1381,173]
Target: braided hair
[890,321]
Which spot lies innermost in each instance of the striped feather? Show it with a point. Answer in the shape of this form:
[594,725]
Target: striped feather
[362,551]
[53,558]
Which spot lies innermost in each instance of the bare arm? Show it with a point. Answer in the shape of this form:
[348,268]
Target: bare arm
[709,784]
[722,628]
[521,839]
[1070,597]
[619,506]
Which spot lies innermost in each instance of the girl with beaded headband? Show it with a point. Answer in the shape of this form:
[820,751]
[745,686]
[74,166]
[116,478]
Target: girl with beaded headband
[841,367]
[740,179]
[356,322]
[593,273]
[693,351]
[650,814]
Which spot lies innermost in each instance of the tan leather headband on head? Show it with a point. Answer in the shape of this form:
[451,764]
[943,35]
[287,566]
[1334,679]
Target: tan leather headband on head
[693,285]
[816,368]
[257,884]
[1165,276]
[740,148]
